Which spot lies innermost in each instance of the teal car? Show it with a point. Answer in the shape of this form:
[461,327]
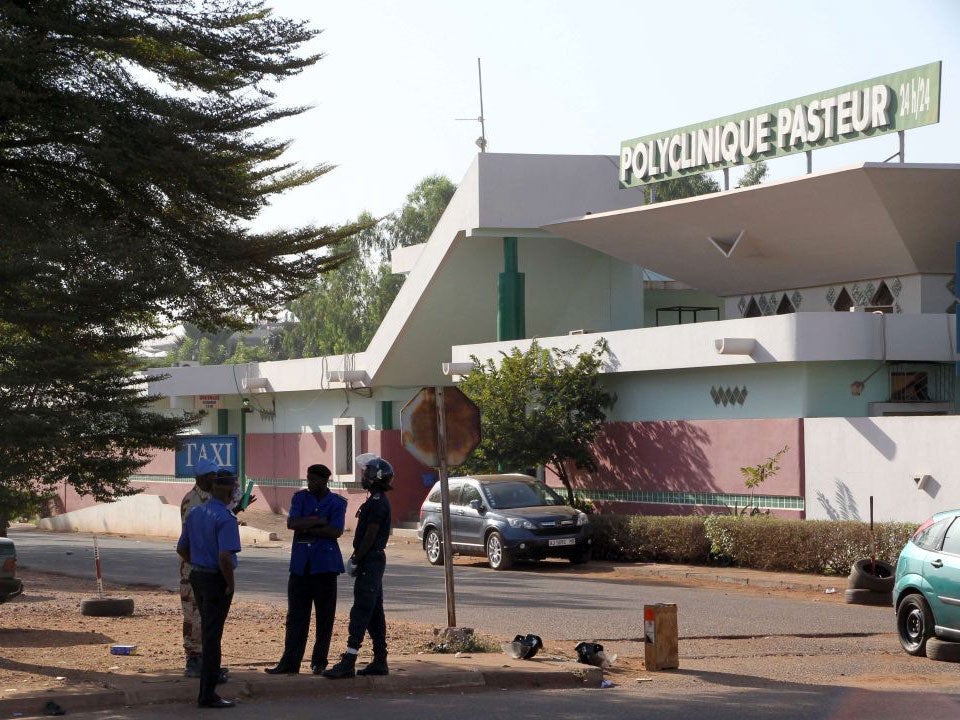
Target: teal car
[926,591]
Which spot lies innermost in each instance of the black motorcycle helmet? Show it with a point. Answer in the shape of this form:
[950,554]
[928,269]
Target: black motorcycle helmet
[377,474]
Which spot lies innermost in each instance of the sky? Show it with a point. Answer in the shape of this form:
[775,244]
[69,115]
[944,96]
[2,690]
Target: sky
[579,77]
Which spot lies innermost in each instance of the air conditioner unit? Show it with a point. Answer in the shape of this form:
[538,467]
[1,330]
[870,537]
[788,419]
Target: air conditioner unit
[581,331]
[257,383]
[346,376]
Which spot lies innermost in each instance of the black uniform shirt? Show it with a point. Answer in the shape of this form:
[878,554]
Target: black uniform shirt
[374,511]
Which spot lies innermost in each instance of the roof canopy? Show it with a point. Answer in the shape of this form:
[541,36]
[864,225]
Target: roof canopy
[873,220]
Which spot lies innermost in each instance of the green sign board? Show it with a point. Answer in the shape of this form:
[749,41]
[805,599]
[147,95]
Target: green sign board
[885,104]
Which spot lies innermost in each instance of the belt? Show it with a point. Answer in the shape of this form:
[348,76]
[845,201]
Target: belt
[209,571]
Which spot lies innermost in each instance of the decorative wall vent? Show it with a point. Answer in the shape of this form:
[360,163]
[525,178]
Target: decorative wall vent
[728,396]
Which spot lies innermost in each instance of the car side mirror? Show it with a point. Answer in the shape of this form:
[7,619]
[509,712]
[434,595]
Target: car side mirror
[477,505]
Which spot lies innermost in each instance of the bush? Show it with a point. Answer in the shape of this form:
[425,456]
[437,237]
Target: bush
[762,542]
[642,538]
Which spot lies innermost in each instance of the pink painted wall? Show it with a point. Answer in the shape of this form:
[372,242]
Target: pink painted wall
[287,455]
[691,456]
[696,455]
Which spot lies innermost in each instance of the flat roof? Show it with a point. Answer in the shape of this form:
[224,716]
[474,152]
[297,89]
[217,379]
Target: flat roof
[864,222]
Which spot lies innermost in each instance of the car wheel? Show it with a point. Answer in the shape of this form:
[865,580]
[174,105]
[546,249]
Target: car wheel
[914,624]
[581,557]
[943,650]
[433,546]
[861,576]
[107,607]
[497,554]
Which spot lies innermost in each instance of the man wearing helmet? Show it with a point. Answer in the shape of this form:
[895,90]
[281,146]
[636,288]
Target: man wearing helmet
[367,565]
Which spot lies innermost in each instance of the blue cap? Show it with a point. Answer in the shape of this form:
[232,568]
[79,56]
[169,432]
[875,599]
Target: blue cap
[203,466]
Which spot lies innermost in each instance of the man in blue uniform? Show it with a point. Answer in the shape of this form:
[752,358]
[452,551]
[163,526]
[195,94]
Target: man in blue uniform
[316,518]
[209,542]
[367,565]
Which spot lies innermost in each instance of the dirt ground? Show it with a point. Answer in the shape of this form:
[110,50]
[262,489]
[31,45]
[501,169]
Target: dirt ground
[45,643]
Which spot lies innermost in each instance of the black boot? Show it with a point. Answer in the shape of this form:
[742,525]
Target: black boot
[377,667]
[343,669]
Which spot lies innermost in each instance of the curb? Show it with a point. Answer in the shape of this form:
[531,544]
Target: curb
[249,686]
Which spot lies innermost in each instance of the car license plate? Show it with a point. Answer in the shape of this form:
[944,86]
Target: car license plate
[562,541]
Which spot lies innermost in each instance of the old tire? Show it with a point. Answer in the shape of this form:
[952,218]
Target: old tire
[914,624]
[861,576]
[107,607]
[433,546]
[497,555]
[859,596]
[943,650]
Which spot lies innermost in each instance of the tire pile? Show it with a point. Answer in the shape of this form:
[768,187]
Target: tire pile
[870,583]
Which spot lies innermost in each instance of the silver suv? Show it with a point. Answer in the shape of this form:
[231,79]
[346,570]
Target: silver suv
[505,518]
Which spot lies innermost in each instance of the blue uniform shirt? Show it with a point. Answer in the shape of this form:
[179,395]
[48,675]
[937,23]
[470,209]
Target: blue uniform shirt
[375,511]
[313,554]
[208,530]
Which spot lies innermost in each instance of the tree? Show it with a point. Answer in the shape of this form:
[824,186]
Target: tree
[131,162]
[754,175]
[539,407]
[682,187]
[344,308]
[421,212]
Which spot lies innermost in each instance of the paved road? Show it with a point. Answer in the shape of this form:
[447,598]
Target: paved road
[558,605]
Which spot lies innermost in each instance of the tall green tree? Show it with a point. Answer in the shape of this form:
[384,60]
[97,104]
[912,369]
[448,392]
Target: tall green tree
[754,175]
[341,312]
[539,407]
[131,162]
[681,187]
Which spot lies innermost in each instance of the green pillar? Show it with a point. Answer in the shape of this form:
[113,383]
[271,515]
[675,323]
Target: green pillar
[223,424]
[511,316]
[386,415]
[242,450]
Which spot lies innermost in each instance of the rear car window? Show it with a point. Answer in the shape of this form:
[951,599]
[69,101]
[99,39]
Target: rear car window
[434,495]
[930,534]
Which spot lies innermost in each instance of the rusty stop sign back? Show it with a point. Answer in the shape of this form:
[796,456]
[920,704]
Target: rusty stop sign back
[440,426]
[419,432]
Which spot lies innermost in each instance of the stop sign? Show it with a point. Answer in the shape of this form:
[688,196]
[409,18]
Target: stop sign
[418,426]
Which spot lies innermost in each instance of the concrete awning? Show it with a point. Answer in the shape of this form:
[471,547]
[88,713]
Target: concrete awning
[873,220]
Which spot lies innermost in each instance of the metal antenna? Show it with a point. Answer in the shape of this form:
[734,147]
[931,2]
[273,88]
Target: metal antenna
[482,140]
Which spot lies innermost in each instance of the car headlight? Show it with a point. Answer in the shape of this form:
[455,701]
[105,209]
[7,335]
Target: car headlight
[581,519]
[521,523]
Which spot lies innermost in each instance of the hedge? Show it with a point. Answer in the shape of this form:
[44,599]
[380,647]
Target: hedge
[827,547]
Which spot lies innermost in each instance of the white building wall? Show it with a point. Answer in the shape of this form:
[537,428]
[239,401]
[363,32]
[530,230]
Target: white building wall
[849,459]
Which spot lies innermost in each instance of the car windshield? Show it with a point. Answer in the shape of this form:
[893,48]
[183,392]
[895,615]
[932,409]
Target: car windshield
[520,493]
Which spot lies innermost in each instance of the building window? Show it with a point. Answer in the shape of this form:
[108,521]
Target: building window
[908,387]
[753,310]
[844,301]
[785,307]
[345,448]
[882,297]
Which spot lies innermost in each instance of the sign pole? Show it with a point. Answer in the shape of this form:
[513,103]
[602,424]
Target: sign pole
[445,505]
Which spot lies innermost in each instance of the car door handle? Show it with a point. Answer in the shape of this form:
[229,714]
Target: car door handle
[938,563]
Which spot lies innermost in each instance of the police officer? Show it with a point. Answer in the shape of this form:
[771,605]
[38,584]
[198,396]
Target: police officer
[210,541]
[317,519]
[367,565]
[205,471]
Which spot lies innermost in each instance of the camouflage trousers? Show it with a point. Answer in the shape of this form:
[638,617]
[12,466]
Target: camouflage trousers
[192,643]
